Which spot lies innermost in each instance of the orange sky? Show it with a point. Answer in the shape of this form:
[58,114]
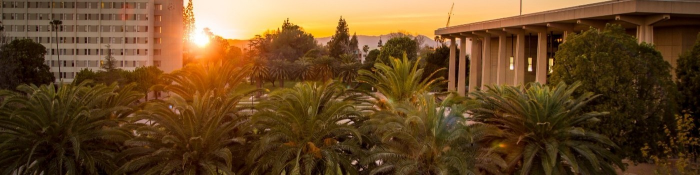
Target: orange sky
[243,19]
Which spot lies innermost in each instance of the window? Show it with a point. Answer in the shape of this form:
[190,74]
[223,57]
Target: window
[529,64]
[158,41]
[156,52]
[159,29]
[156,63]
[159,18]
[159,6]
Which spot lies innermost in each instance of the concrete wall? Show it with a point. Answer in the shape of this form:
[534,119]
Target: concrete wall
[674,41]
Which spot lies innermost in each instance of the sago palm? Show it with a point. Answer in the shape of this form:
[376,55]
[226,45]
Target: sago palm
[347,69]
[69,129]
[545,130]
[401,80]
[306,130]
[221,79]
[429,139]
[180,137]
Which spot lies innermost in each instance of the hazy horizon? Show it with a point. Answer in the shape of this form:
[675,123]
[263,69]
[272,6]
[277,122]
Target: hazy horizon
[237,19]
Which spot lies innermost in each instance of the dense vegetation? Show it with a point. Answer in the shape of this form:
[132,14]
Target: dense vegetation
[634,82]
[213,121]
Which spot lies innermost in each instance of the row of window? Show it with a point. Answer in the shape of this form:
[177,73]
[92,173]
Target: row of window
[93,63]
[91,40]
[78,28]
[115,52]
[79,5]
[79,16]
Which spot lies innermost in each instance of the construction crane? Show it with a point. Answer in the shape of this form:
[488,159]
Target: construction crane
[449,15]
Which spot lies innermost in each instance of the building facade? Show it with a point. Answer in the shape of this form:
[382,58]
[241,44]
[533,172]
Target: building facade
[520,49]
[138,32]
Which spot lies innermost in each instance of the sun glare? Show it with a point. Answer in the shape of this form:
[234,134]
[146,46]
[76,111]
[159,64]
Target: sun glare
[200,39]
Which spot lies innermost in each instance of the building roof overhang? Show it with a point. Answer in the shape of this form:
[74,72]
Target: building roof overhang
[624,12]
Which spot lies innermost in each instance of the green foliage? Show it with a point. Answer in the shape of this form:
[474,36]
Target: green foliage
[72,129]
[688,81]
[430,138]
[679,158]
[221,80]
[277,50]
[22,62]
[397,47]
[279,70]
[348,68]
[371,58]
[290,43]
[401,80]
[632,78]
[439,59]
[306,130]
[146,78]
[192,137]
[354,47]
[85,75]
[188,21]
[109,64]
[340,41]
[544,129]
[258,71]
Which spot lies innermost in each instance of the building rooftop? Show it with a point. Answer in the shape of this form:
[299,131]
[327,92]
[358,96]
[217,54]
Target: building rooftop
[685,11]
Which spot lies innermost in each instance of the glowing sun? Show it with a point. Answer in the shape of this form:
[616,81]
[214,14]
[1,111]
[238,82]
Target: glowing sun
[200,39]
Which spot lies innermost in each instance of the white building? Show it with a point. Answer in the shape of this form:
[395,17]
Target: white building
[139,32]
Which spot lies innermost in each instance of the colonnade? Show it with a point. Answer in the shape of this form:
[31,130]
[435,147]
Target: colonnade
[482,59]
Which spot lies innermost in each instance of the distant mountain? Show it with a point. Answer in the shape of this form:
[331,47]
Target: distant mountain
[372,41]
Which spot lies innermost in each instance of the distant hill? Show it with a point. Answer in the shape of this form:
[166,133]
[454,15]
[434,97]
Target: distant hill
[370,41]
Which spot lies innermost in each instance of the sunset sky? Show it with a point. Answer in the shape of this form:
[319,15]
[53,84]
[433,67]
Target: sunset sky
[243,19]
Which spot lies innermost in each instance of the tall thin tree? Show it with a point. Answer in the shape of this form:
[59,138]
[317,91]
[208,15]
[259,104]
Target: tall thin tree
[56,23]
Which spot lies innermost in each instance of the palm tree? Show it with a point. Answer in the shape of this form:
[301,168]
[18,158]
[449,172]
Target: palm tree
[347,69]
[185,137]
[56,24]
[279,70]
[306,130]
[302,69]
[221,79]
[72,129]
[323,68]
[545,130]
[430,138]
[400,81]
[258,71]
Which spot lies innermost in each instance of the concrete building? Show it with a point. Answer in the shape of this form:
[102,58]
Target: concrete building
[139,32]
[520,49]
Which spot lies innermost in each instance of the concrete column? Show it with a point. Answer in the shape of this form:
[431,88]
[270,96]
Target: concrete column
[474,65]
[461,84]
[452,68]
[645,25]
[541,68]
[566,34]
[520,61]
[502,60]
[485,60]
[645,33]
